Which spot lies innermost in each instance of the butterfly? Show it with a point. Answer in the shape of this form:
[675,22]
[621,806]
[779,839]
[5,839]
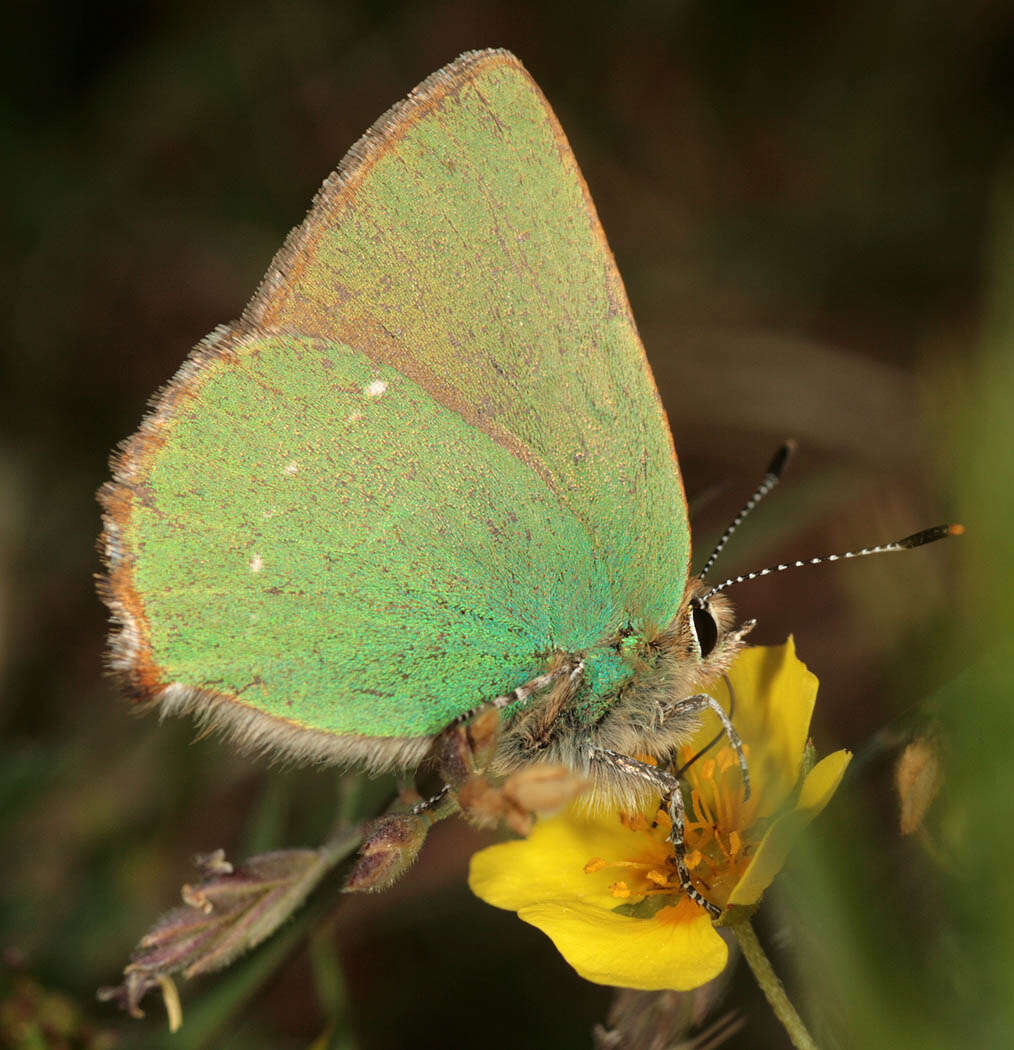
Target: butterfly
[426,473]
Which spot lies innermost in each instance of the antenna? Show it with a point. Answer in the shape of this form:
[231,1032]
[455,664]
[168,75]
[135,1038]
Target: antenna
[917,539]
[771,478]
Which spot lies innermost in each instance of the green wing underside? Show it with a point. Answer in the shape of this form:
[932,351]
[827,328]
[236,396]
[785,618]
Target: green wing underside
[436,456]
[347,582]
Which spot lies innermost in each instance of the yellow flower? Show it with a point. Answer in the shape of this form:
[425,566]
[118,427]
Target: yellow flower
[604,886]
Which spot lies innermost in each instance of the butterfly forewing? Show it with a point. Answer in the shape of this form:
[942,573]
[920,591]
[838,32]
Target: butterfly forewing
[429,454]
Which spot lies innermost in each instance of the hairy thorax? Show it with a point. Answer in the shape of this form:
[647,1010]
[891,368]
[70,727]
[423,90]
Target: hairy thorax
[643,717]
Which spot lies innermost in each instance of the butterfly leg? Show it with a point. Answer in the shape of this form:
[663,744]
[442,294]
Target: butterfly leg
[693,705]
[466,748]
[669,787]
[524,692]
[432,802]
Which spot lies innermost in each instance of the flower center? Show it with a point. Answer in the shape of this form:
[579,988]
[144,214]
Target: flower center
[721,830]
[717,834]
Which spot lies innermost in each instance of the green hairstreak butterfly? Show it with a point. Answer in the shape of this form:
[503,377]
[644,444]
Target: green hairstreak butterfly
[426,470]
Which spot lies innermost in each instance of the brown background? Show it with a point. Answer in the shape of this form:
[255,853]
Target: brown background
[806,202]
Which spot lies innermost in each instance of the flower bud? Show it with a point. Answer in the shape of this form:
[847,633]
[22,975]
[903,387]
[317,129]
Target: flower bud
[918,777]
[389,849]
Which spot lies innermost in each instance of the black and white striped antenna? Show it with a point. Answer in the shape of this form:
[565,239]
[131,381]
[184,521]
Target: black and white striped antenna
[771,478]
[917,539]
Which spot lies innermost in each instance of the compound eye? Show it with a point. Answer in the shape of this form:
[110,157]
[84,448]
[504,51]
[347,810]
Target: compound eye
[705,630]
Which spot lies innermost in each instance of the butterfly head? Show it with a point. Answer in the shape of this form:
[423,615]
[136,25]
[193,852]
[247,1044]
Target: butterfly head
[703,640]
[709,626]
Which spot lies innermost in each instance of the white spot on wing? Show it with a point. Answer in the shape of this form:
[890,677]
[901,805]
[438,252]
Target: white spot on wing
[256,563]
[376,389]
[290,469]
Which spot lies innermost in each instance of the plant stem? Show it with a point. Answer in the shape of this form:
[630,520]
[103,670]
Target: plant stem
[771,986]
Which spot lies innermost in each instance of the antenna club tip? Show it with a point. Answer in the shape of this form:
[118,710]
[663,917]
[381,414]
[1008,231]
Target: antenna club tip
[781,458]
[938,532]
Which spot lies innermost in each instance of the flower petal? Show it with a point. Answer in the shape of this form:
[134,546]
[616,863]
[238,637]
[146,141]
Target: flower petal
[775,694]
[820,784]
[677,948]
[550,863]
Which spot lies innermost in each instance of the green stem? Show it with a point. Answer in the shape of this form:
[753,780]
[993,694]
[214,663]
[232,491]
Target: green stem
[773,989]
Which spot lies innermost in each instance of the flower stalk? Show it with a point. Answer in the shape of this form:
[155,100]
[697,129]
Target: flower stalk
[770,985]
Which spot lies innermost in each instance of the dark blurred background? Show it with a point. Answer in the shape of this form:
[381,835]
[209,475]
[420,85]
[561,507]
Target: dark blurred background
[813,210]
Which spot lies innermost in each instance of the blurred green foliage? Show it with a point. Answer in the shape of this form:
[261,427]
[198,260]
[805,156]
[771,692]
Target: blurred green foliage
[812,206]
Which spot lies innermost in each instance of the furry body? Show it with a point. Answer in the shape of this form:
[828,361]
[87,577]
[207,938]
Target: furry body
[645,718]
